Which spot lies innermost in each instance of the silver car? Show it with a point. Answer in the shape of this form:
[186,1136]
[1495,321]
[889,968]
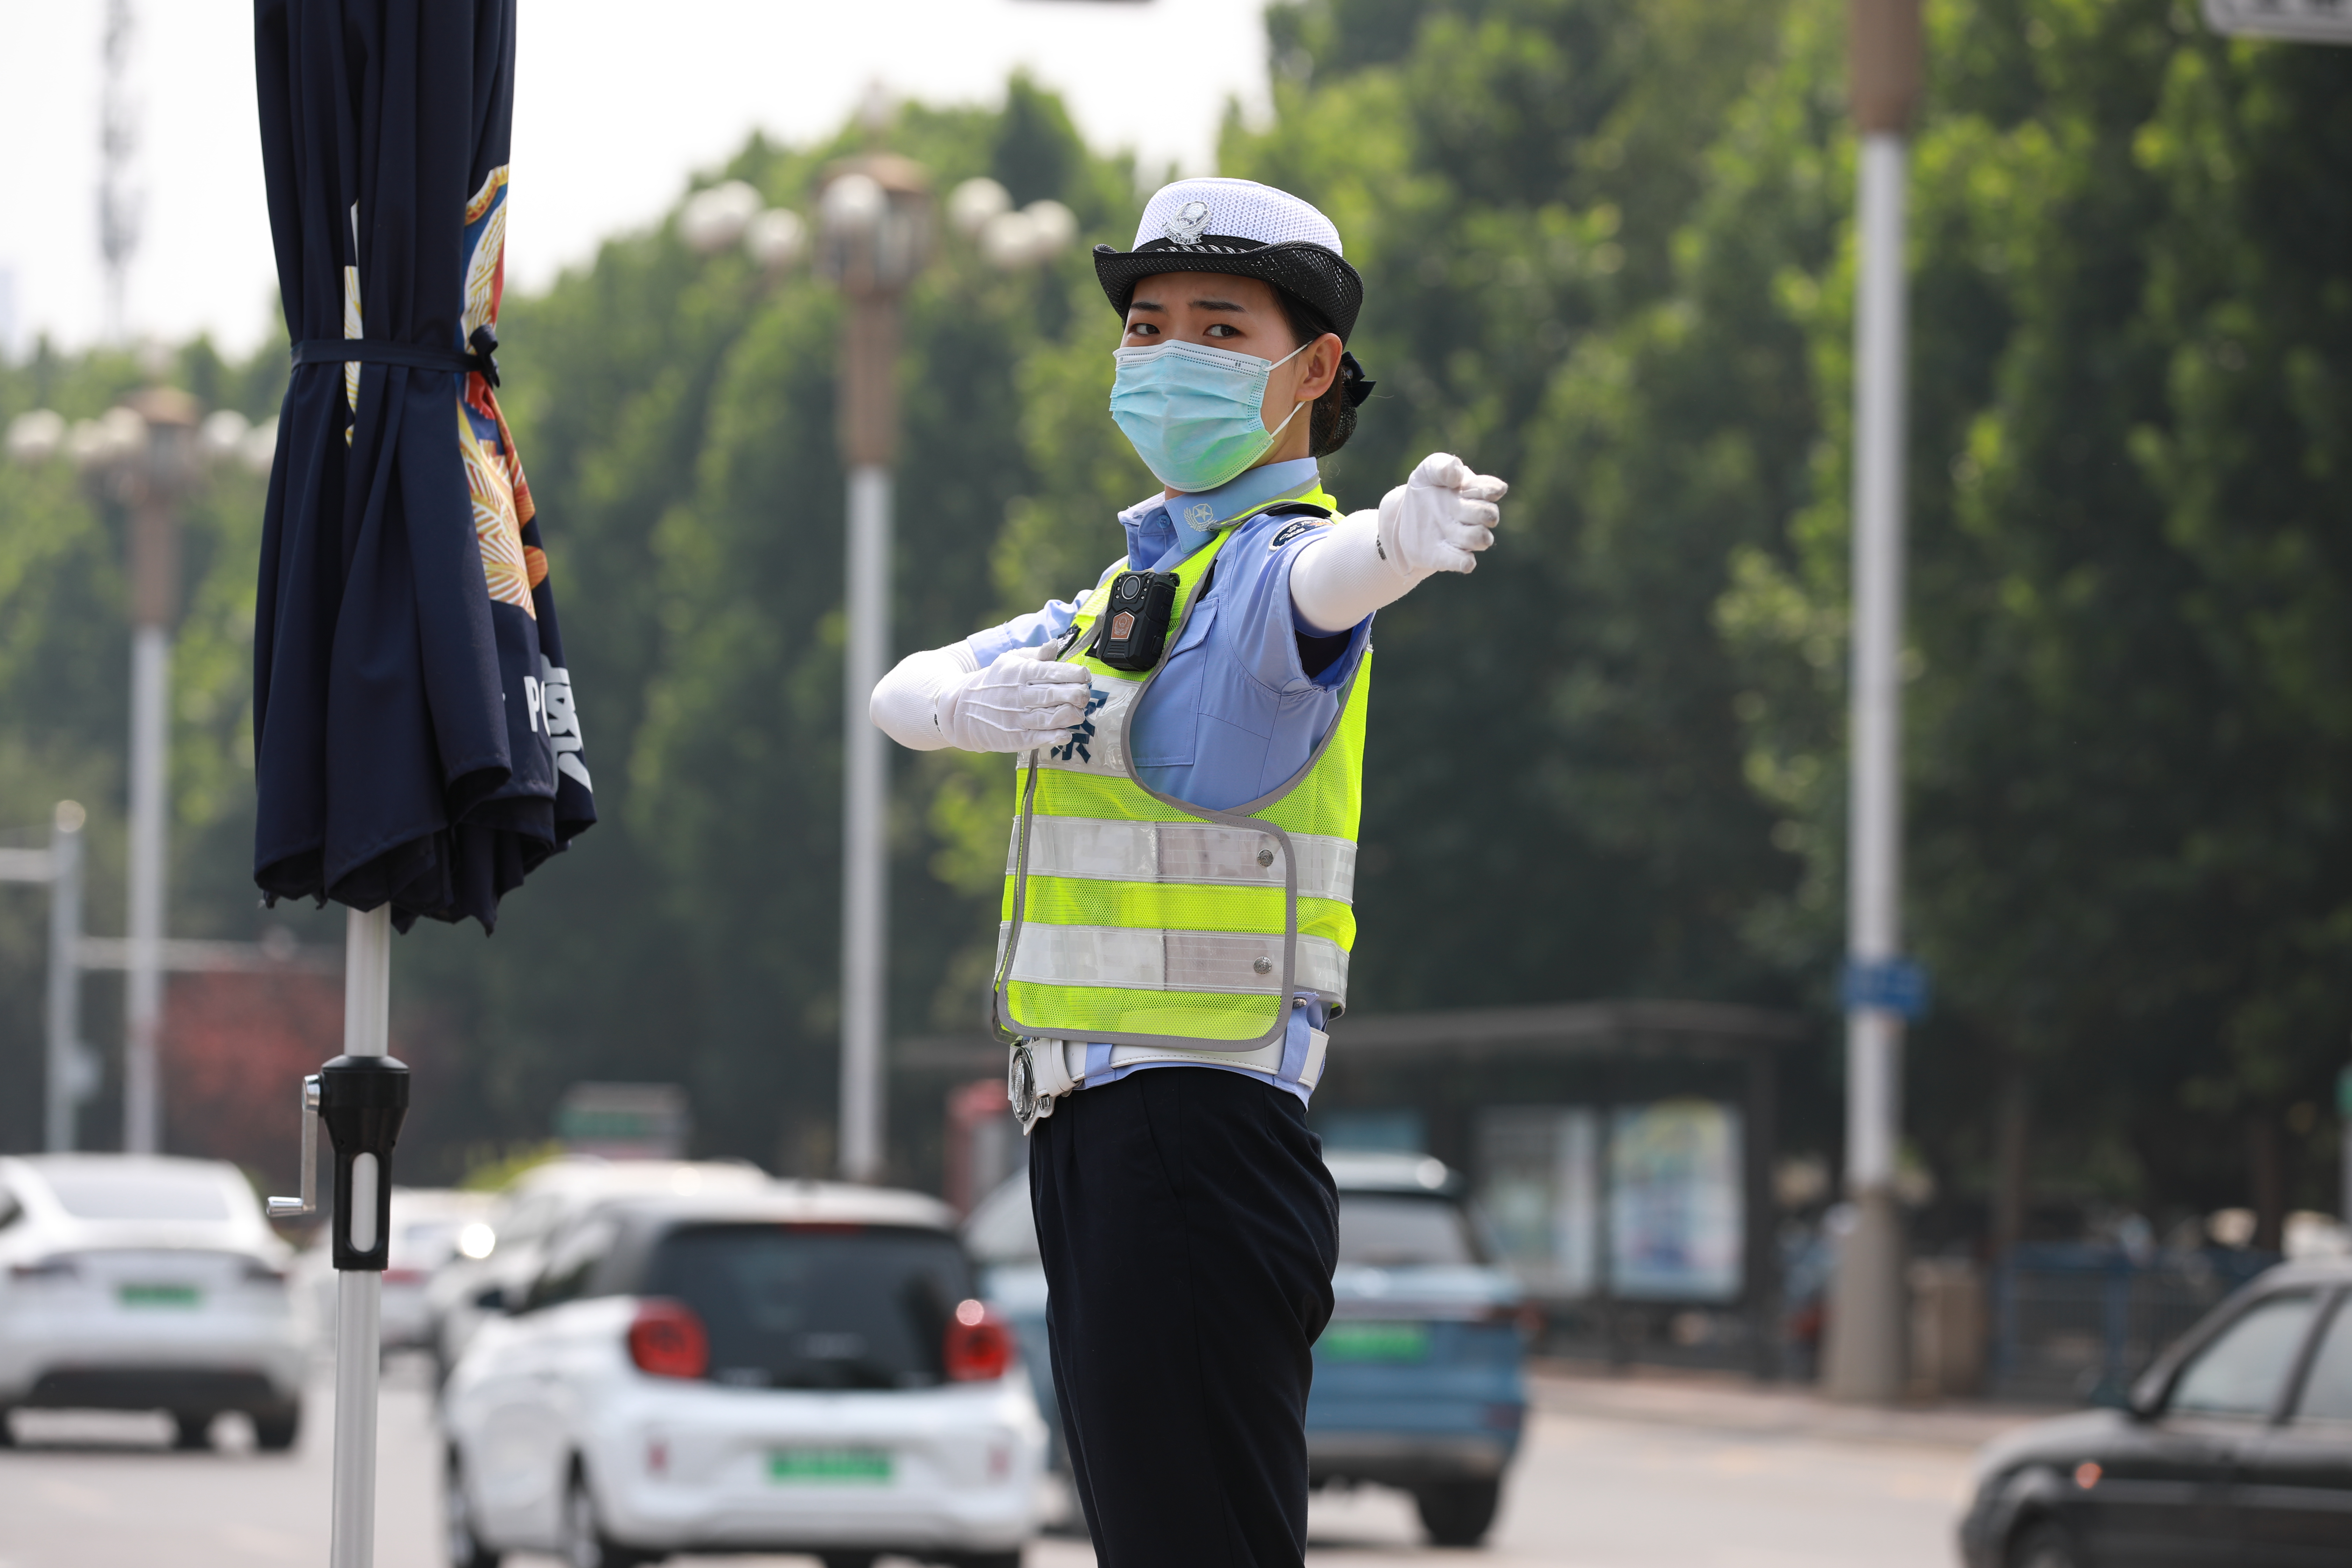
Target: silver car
[142,1283]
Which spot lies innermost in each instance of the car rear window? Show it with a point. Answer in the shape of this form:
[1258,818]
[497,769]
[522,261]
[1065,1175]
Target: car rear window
[1393,1230]
[817,1306]
[128,1195]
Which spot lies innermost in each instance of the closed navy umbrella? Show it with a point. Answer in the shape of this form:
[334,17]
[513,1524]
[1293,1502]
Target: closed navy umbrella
[415,744]
[417,749]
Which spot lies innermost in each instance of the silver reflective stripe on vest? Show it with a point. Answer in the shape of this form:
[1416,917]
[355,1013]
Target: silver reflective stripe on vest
[1101,850]
[1219,962]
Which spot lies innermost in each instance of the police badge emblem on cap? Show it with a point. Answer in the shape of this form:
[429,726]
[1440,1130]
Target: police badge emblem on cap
[1190,222]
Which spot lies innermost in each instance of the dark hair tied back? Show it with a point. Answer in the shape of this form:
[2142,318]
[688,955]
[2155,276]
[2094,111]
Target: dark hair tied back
[1333,418]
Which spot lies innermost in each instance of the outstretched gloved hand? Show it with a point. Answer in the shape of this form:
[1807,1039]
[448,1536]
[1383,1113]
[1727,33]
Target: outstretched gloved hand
[1440,518]
[1020,701]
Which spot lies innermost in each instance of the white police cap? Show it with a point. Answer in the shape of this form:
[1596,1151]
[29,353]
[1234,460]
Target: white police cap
[1242,228]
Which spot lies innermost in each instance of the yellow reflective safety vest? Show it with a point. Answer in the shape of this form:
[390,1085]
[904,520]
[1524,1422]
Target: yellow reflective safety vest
[1131,918]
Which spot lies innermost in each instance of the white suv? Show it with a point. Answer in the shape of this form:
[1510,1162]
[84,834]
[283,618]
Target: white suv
[804,1368]
[140,1283]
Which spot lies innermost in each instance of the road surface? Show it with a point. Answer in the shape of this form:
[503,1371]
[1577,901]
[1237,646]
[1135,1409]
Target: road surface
[1622,1474]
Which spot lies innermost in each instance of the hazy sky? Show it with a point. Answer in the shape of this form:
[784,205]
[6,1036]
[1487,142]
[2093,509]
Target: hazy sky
[615,105]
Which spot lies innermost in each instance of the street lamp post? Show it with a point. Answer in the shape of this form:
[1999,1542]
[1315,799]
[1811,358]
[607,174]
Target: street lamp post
[1864,1361]
[875,212]
[154,481]
[875,221]
[148,453]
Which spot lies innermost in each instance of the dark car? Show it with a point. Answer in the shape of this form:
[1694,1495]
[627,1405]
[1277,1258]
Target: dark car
[2236,1447]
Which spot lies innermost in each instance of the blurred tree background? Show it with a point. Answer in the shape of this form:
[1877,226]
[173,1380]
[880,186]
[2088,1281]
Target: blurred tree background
[1609,255]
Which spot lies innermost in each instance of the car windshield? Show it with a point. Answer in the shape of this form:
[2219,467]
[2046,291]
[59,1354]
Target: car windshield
[1395,1230]
[2242,1372]
[137,1194]
[817,1306]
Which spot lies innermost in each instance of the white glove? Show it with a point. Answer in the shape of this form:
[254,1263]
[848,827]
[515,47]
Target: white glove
[1020,701]
[1438,520]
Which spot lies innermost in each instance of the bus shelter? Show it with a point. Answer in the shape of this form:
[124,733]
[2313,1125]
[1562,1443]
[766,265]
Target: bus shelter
[1623,1154]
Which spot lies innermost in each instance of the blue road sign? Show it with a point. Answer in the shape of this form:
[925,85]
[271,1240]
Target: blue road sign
[1897,985]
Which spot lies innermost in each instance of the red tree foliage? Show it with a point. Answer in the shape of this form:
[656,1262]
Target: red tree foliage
[235,1049]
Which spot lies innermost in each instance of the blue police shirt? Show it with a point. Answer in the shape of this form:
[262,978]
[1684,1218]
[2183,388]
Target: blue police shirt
[1233,714]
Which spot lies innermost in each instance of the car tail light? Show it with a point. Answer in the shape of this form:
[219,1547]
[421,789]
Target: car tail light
[257,1272]
[979,1345]
[42,1268]
[403,1277]
[666,1340]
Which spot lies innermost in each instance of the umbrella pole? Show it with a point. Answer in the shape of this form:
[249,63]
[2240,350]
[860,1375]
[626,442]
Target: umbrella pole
[363,1080]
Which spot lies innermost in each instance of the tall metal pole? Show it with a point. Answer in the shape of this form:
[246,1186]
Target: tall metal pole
[869,431]
[155,490]
[877,234]
[142,979]
[65,1084]
[865,822]
[358,1302]
[1867,1320]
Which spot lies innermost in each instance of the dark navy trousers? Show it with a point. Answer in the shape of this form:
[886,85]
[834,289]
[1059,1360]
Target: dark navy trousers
[1189,1229]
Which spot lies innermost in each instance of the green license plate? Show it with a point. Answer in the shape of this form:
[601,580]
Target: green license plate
[829,1466]
[158,1295]
[1376,1342]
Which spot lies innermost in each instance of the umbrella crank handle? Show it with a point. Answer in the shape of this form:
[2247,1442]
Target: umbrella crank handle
[289,1208]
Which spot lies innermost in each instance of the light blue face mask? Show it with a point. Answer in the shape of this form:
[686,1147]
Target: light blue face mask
[1194,414]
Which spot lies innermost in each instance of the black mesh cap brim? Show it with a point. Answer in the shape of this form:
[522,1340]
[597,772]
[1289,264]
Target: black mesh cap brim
[1319,277]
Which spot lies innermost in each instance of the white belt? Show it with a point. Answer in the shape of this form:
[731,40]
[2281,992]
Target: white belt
[1267,1059]
[1050,1076]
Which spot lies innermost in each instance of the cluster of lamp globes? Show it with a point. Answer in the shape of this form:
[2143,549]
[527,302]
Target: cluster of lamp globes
[121,437]
[855,207]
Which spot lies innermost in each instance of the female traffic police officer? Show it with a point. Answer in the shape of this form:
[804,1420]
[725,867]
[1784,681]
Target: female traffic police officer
[1190,742]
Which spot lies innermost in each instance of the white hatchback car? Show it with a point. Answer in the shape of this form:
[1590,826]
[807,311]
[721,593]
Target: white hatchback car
[143,1283]
[803,1369]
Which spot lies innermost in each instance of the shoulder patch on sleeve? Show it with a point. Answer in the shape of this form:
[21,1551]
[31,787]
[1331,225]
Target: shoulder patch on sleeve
[1290,531]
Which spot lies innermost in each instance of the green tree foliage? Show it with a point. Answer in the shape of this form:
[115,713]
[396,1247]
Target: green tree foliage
[65,678]
[1554,802]
[2127,869]
[676,416]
